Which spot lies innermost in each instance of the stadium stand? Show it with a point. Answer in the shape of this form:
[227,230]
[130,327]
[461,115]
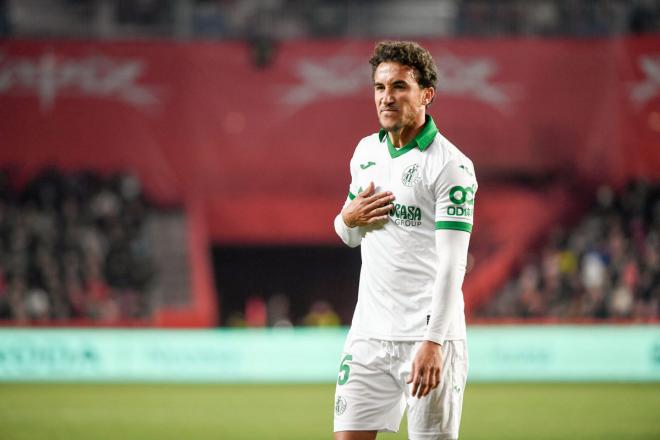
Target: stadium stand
[74,246]
[607,266]
[290,19]
[88,248]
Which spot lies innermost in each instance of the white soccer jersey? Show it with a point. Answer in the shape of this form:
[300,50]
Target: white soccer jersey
[434,184]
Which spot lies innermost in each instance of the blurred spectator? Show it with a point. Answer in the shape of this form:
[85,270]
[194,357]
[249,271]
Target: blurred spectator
[235,319]
[256,314]
[278,311]
[143,12]
[208,19]
[608,266]
[5,24]
[71,246]
[644,16]
[322,314]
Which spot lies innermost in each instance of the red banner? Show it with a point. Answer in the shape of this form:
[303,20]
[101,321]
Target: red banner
[266,151]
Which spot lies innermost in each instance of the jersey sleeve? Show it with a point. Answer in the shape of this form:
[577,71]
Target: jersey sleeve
[452,250]
[353,190]
[455,191]
[352,237]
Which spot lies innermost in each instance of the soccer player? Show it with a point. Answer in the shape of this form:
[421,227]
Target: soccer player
[410,207]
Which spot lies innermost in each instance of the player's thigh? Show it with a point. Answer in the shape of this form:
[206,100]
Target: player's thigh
[355,435]
[367,397]
[438,415]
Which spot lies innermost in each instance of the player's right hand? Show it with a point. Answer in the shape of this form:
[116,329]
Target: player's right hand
[368,207]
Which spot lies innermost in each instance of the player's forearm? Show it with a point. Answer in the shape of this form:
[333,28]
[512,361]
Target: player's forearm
[452,249]
[350,236]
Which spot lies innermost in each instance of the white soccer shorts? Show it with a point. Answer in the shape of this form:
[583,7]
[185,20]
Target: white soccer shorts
[372,393]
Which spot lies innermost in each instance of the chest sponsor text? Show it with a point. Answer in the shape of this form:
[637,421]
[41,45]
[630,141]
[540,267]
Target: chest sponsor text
[406,215]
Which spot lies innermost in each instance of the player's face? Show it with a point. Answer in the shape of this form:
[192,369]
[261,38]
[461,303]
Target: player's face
[400,101]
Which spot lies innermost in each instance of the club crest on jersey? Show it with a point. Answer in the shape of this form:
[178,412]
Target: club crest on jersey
[411,175]
[340,405]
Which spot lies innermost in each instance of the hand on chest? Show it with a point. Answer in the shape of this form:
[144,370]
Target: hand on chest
[404,177]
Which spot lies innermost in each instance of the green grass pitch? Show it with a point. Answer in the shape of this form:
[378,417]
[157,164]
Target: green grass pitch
[199,412]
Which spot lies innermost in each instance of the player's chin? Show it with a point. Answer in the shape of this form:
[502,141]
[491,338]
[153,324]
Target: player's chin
[388,123]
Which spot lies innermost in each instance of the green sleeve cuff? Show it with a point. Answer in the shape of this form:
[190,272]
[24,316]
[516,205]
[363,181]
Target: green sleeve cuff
[351,195]
[457,226]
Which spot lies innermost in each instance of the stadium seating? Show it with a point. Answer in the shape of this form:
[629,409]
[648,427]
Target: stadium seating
[73,246]
[604,266]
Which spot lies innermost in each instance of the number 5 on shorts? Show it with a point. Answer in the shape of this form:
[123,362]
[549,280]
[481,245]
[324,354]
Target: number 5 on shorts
[344,370]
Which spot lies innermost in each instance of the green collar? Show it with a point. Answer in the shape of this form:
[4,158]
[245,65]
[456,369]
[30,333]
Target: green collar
[421,141]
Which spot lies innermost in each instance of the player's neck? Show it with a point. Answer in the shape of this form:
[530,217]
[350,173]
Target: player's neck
[406,134]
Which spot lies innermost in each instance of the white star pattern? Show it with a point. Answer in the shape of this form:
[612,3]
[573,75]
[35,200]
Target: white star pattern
[643,91]
[472,78]
[345,75]
[49,76]
[336,76]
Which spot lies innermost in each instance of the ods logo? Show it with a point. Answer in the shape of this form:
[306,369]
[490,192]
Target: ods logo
[461,195]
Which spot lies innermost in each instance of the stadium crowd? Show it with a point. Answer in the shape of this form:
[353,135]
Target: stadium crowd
[605,267]
[72,246]
[288,19]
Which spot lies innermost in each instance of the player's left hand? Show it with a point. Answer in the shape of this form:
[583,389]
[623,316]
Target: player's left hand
[426,369]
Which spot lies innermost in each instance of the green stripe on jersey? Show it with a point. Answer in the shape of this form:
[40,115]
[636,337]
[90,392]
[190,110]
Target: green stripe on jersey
[458,226]
[351,195]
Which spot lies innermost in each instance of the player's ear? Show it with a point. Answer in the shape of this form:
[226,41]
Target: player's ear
[428,94]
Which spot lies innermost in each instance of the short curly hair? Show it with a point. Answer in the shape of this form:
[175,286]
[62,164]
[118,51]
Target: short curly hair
[410,54]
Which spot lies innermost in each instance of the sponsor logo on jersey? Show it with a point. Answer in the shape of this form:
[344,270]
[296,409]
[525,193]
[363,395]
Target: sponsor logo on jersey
[340,405]
[364,166]
[411,175]
[463,199]
[406,215]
